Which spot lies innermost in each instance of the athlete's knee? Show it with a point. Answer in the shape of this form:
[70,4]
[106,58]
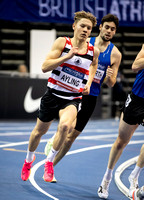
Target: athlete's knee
[63,127]
[37,133]
[120,143]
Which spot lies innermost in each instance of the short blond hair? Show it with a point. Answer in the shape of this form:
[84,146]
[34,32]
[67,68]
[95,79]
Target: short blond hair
[82,14]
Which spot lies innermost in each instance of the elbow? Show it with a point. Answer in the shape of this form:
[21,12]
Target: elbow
[43,69]
[111,85]
[134,68]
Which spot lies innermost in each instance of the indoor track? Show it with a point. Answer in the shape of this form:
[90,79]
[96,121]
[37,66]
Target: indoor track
[80,172]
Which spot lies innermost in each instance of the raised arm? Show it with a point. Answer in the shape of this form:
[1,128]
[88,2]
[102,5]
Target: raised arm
[53,59]
[138,63]
[111,73]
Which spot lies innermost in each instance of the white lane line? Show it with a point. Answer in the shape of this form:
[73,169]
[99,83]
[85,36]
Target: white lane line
[21,133]
[94,137]
[36,166]
[118,173]
[50,132]
[80,137]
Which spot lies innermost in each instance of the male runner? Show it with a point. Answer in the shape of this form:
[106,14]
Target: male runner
[108,65]
[73,62]
[131,117]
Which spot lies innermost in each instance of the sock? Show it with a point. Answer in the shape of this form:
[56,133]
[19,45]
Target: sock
[51,155]
[30,156]
[108,174]
[135,173]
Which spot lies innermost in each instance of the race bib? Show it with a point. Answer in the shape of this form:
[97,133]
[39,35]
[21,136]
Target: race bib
[98,76]
[70,78]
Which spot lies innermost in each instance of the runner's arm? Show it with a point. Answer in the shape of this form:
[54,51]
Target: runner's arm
[138,63]
[112,71]
[53,59]
[92,71]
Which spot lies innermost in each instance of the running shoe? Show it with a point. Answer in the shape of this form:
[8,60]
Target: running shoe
[26,170]
[103,189]
[53,180]
[48,172]
[133,185]
[138,194]
[48,146]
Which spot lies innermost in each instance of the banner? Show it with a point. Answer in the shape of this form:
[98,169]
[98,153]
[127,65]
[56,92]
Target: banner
[129,12]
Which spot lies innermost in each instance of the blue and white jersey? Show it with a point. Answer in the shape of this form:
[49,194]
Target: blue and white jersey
[103,62]
[138,86]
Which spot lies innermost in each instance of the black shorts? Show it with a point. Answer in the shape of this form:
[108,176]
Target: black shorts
[88,106]
[133,110]
[51,105]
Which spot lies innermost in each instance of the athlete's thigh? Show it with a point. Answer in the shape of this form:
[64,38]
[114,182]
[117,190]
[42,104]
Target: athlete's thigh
[68,114]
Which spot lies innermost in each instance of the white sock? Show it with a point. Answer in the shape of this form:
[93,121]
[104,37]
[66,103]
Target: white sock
[51,155]
[136,172]
[108,174]
[30,156]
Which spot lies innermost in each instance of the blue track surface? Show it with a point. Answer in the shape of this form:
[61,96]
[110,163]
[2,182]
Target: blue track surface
[79,174]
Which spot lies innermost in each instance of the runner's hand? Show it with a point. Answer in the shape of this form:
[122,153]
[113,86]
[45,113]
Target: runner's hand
[86,90]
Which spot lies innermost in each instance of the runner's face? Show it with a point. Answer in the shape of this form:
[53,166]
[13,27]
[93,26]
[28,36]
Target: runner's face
[107,31]
[82,29]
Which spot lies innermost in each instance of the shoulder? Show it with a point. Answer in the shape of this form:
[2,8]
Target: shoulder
[59,43]
[116,52]
[60,40]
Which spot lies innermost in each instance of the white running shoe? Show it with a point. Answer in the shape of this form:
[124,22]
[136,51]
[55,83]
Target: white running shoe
[48,146]
[103,189]
[138,194]
[133,185]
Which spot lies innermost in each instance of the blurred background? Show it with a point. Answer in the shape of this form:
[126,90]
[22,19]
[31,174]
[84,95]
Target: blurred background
[27,31]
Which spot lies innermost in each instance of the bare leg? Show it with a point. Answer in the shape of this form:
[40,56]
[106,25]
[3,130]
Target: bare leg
[40,129]
[125,133]
[66,125]
[66,145]
[140,161]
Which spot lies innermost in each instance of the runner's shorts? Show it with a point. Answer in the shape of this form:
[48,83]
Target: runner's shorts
[134,110]
[51,105]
